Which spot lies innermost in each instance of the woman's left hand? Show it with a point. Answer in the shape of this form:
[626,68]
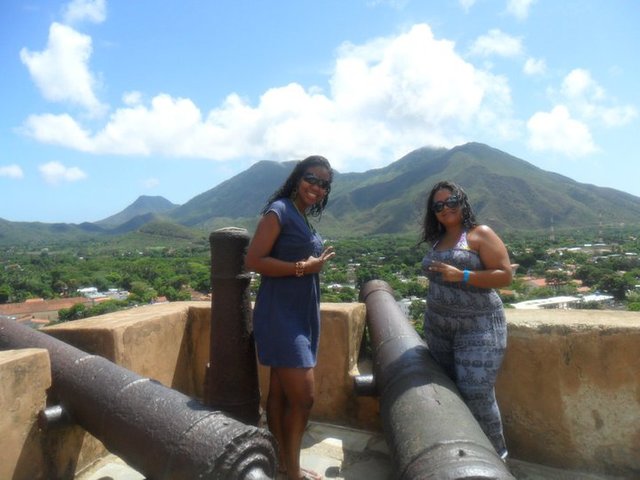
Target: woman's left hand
[448,272]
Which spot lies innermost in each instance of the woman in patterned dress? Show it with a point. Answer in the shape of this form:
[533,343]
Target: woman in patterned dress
[289,254]
[464,324]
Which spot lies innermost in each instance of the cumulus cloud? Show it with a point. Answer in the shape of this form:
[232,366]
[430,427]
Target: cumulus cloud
[132,98]
[61,71]
[578,83]
[384,98]
[94,11]
[592,102]
[496,42]
[55,173]
[534,66]
[150,183]
[581,105]
[60,130]
[466,4]
[556,131]
[397,4]
[11,171]
[519,8]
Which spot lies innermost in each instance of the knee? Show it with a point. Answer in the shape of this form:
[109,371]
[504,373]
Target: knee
[303,402]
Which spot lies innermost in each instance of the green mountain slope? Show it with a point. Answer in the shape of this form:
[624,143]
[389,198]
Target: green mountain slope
[143,205]
[506,192]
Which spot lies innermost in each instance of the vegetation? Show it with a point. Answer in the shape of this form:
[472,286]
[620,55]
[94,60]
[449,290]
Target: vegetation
[508,193]
[146,273]
[173,269]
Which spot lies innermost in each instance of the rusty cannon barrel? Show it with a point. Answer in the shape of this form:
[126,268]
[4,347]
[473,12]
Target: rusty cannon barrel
[430,431]
[160,432]
[231,382]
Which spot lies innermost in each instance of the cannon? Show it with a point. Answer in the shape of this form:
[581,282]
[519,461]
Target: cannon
[430,431]
[231,382]
[160,432]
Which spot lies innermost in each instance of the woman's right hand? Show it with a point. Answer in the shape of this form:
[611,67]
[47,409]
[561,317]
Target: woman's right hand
[315,264]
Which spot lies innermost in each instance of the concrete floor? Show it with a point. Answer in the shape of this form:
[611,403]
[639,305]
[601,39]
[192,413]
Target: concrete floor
[344,453]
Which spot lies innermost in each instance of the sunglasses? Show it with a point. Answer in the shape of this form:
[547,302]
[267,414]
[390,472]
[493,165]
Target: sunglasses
[451,202]
[313,180]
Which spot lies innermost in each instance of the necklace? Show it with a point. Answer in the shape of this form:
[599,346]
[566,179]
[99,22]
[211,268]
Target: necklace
[304,215]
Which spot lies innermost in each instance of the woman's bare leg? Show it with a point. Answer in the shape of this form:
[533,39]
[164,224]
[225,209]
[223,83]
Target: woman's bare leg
[297,384]
[276,408]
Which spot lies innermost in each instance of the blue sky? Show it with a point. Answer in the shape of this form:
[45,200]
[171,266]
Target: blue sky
[103,101]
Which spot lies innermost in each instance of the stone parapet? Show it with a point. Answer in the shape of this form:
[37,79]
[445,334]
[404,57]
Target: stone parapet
[569,389]
[25,376]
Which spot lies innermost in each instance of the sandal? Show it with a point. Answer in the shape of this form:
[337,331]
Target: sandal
[310,475]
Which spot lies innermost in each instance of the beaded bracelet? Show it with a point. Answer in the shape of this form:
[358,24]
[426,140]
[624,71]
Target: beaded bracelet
[299,269]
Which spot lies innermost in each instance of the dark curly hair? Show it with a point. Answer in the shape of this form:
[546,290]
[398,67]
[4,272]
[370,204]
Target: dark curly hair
[432,229]
[292,181]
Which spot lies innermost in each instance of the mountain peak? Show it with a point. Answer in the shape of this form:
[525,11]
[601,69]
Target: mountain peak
[144,204]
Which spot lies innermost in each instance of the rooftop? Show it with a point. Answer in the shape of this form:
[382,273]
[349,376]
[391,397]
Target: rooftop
[338,453]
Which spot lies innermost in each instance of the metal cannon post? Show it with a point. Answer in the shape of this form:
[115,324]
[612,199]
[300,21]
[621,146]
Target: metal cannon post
[431,432]
[160,432]
[231,383]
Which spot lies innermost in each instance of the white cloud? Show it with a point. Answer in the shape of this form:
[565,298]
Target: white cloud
[466,4]
[618,116]
[58,130]
[150,183]
[591,101]
[496,42]
[386,97]
[55,173]
[94,11]
[519,8]
[61,71]
[556,131]
[397,4]
[11,171]
[535,66]
[579,84]
[132,98]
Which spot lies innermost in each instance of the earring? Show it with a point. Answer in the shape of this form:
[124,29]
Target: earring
[294,193]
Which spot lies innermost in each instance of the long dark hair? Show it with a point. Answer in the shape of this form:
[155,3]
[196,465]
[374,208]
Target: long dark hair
[291,183]
[432,229]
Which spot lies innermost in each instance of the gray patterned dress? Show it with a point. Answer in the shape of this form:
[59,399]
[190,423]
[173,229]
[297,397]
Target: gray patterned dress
[465,329]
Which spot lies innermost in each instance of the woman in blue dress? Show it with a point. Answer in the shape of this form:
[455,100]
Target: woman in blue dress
[464,325]
[289,254]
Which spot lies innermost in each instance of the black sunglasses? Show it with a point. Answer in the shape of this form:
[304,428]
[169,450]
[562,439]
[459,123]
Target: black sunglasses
[451,202]
[313,180]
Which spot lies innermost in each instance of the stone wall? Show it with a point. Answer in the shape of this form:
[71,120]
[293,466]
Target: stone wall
[569,388]
[25,376]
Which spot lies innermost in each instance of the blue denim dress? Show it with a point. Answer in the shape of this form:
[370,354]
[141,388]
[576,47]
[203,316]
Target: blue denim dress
[286,317]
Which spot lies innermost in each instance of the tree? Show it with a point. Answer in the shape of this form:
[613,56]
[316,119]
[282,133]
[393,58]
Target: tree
[5,293]
[416,314]
[615,285]
[416,310]
[556,278]
[76,312]
[141,292]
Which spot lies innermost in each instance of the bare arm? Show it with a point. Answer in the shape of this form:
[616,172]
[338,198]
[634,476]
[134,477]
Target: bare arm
[258,257]
[494,256]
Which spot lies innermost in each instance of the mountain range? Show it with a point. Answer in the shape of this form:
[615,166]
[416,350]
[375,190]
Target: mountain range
[506,192]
